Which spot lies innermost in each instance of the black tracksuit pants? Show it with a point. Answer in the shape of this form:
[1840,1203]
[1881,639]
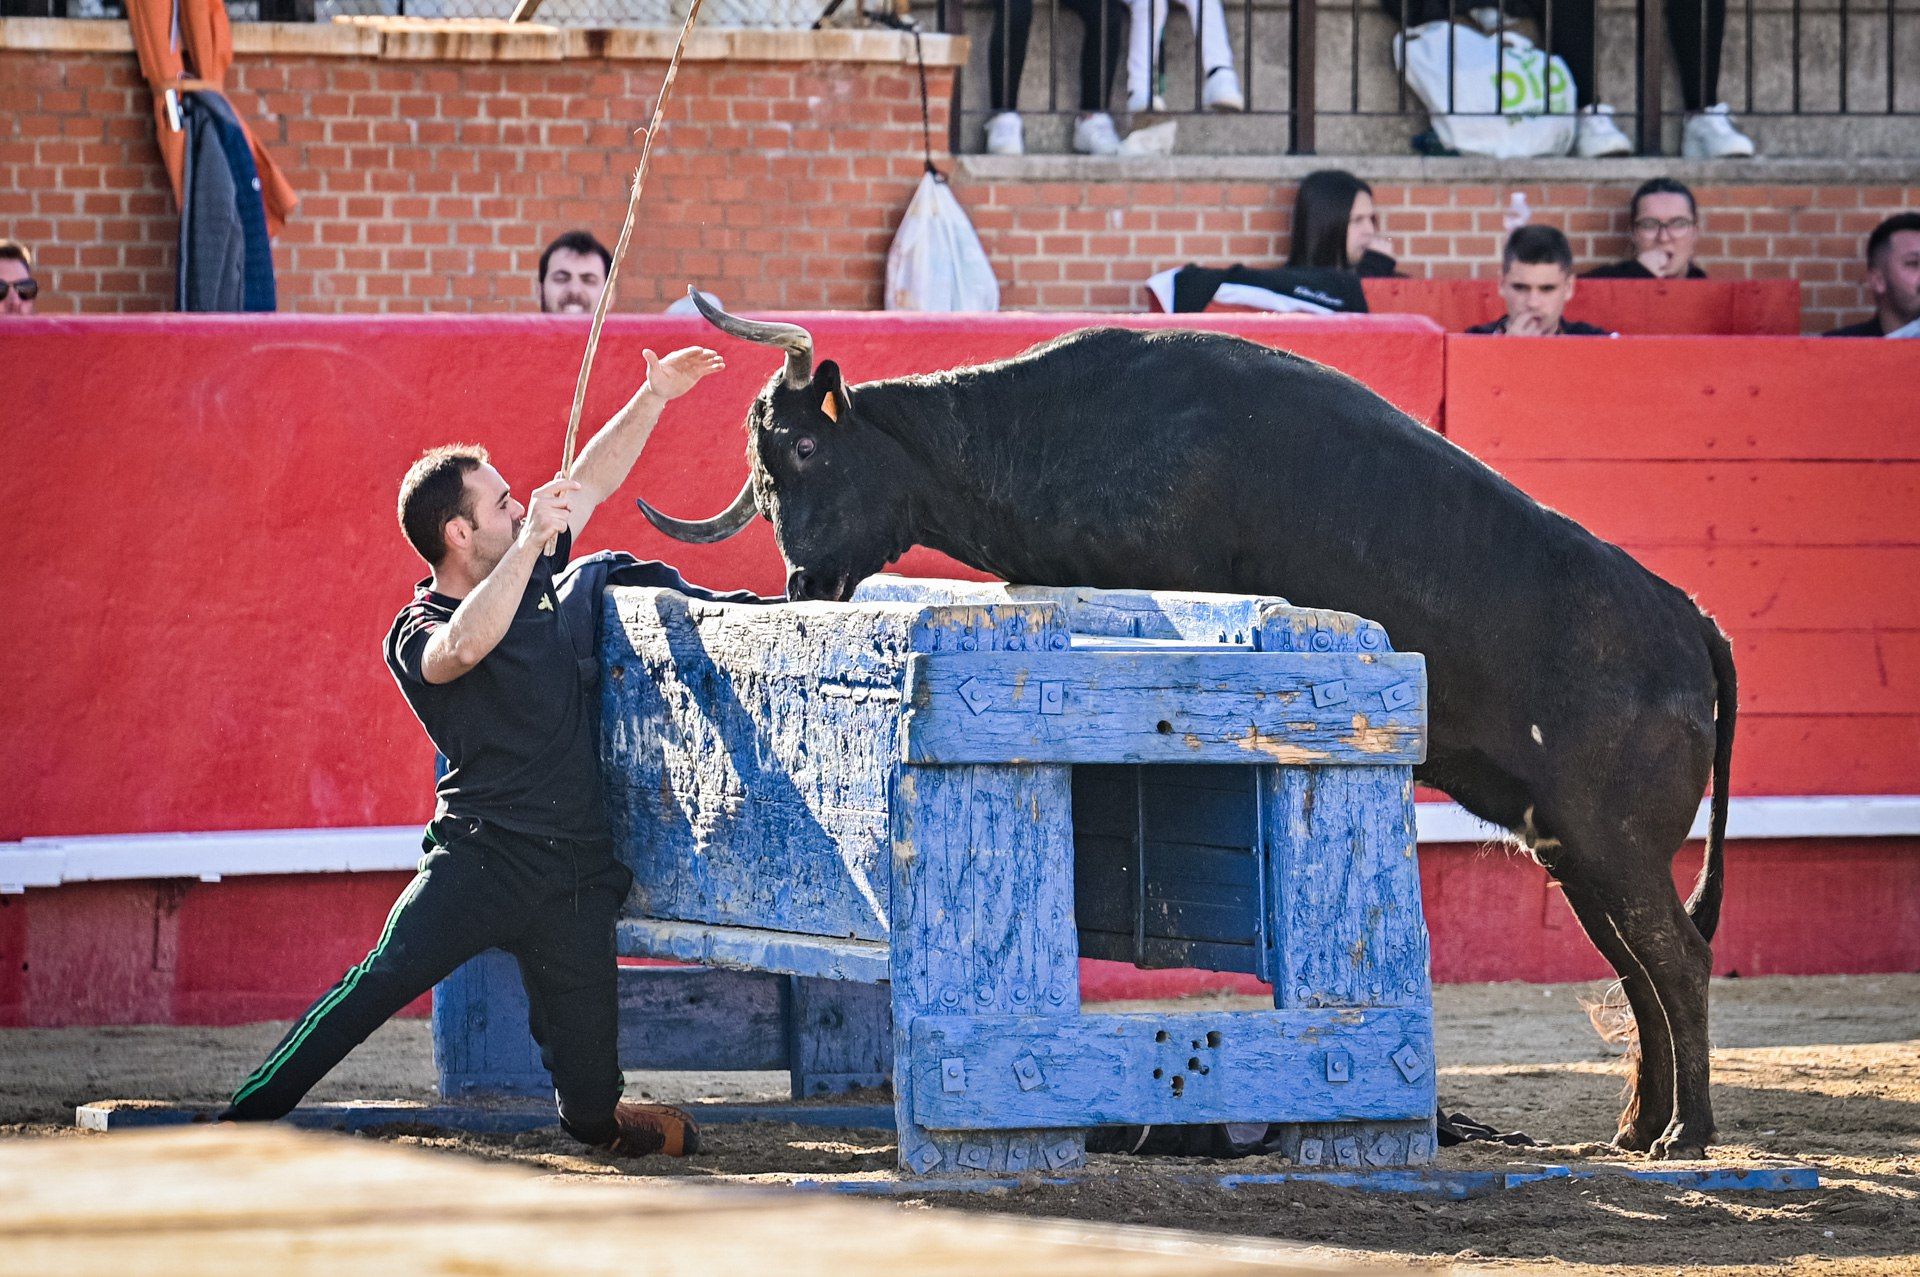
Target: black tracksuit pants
[550,903]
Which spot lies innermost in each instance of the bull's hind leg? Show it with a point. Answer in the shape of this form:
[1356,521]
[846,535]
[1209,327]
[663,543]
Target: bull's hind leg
[1650,1083]
[1665,956]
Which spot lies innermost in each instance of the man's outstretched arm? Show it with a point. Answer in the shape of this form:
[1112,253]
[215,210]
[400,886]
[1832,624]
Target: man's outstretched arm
[603,465]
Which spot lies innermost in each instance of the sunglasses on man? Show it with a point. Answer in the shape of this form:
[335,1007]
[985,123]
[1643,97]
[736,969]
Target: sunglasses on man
[27,288]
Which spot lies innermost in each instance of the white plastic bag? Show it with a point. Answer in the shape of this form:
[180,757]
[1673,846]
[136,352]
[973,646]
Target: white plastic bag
[936,262]
[1532,92]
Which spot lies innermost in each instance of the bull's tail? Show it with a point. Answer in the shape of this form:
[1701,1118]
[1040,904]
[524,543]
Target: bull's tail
[1704,905]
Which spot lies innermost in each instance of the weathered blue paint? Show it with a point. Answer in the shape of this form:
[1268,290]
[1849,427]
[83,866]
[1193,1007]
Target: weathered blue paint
[1342,890]
[1156,705]
[982,1072]
[752,949]
[1451,1185]
[839,1036]
[838,792]
[496,1118]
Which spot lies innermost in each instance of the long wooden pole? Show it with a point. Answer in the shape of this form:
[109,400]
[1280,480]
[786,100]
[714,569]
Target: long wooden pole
[626,235]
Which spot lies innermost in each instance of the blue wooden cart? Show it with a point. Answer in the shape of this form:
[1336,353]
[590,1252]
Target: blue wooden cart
[891,829]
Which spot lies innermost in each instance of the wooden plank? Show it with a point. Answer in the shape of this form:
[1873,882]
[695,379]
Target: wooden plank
[732,726]
[982,924]
[839,1035]
[1174,615]
[752,949]
[1679,397]
[1186,707]
[1786,587]
[1158,953]
[1731,503]
[991,1072]
[1344,926]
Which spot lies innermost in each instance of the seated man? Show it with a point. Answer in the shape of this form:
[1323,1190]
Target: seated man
[573,274]
[1665,225]
[1893,277]
[18,287]
[493,655]
[1536,282]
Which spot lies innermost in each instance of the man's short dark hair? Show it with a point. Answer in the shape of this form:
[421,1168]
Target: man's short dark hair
[1882,237]
[1537,246]
[434,491]
[13,250]
[577,242]
[1660,186]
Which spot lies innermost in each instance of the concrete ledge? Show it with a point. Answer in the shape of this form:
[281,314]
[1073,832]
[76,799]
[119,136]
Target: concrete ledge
[1415,168]
[450,40]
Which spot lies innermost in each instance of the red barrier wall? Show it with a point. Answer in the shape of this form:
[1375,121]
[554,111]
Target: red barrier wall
[204,509]
[1631,307]
[206,513]
[1778,479]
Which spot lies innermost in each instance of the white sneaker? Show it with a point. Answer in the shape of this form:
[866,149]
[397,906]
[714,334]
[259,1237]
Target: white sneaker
[1006,135]
[1094,135]
[1140,105]
[1599,135]
[1222,91]
[1710,135]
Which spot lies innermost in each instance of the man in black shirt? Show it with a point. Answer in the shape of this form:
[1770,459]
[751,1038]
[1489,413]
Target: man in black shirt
[519,855]
[1893,277]
[1536,282]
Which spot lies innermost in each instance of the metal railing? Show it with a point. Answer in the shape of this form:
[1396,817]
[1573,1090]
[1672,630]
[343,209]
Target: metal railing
[1777,58]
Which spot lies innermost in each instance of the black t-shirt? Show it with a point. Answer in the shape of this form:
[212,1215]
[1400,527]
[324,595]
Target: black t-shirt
[1865,328]
[1632,269]
[517,730]
[1568,328]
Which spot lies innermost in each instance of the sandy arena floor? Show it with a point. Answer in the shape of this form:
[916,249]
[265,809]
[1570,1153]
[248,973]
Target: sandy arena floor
[1824,1071]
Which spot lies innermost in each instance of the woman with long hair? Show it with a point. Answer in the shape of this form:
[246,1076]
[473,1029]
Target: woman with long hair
[1335,226]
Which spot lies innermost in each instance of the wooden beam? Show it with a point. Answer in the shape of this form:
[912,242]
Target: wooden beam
[1159,706]
[1329,1065]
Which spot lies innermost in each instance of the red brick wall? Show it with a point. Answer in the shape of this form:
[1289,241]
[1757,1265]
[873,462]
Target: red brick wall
[434,186]
[1088,245]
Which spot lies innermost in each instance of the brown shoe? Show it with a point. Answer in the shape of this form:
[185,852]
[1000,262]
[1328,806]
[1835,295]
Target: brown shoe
[652,1128]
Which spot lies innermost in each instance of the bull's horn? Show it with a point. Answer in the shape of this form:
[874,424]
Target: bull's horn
[701,531]
[792,338]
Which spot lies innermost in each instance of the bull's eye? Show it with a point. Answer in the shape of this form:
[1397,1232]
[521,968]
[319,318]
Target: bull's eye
[803,447]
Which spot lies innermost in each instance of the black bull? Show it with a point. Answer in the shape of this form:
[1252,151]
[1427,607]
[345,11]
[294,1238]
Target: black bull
[1577,699]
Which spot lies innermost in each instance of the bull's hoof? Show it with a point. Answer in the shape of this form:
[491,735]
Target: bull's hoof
[1680,1145]
[1633,1138]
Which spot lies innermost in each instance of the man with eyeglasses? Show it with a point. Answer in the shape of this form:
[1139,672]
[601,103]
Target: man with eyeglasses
[1666,227]
[16,278]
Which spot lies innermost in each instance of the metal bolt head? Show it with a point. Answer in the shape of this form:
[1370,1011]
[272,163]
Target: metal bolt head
[1026,1071]
[1339,1066]
[924,1158]
[976,696]
[1409,1061]
[1330,693]
[953,1074]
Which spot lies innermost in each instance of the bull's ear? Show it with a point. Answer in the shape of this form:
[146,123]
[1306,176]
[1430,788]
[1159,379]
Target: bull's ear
[833,394]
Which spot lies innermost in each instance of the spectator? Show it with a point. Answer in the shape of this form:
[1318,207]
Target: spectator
[1695,29]
[1893,277]
[1093,131]
[1665,226]
[573,274]
[16,278]
[1536,282]
[1219,90]
[1336,227]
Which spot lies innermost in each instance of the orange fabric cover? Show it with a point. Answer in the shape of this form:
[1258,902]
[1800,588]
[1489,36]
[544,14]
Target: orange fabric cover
[208,46]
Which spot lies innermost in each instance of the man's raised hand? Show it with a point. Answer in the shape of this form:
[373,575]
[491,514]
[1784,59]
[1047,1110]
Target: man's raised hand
[548,510]
[681,371]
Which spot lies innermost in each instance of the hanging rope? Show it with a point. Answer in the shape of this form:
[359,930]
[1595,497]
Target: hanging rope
[620,250]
